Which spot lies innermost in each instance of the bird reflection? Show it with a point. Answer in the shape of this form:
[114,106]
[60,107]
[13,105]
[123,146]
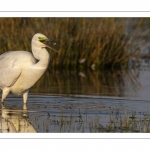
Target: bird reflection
[15,121]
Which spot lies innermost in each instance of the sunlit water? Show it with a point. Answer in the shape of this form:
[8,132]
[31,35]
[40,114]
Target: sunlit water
[91,101]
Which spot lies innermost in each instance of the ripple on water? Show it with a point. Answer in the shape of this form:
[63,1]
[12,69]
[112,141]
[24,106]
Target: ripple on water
[67,114]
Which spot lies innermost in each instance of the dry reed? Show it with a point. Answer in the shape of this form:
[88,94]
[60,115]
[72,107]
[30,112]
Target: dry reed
[100,42]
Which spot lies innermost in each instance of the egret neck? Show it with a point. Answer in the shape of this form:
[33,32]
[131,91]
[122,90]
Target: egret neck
[42,55]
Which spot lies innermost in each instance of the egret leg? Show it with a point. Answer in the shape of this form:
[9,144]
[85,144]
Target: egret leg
[5,93]
[24,107]
[24,110]
[25,96]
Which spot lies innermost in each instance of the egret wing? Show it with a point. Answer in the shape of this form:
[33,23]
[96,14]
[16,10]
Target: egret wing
[7,59]
[9,75]
[9,71]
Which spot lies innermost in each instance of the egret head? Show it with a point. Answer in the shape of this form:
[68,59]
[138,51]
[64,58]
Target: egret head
[42,41]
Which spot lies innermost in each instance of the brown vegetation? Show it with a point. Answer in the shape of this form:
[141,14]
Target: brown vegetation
[102,42]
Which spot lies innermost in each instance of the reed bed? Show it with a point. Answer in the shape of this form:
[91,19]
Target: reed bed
[83,42]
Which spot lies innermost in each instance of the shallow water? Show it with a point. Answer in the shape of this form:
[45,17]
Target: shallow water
[81,101]
[67,114]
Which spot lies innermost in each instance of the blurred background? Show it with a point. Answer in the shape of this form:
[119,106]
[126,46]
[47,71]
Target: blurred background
[99,42]
[96,54]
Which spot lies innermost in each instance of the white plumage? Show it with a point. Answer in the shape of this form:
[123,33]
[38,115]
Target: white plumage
[20,70]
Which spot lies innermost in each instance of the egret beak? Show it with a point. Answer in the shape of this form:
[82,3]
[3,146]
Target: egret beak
[52,41]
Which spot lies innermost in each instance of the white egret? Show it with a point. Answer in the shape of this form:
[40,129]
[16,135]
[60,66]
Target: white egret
[20,70]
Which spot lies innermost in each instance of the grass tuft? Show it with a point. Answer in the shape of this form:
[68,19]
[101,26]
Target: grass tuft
[100,42]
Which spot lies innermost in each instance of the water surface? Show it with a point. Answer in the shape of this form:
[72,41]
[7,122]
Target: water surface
[82,101]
